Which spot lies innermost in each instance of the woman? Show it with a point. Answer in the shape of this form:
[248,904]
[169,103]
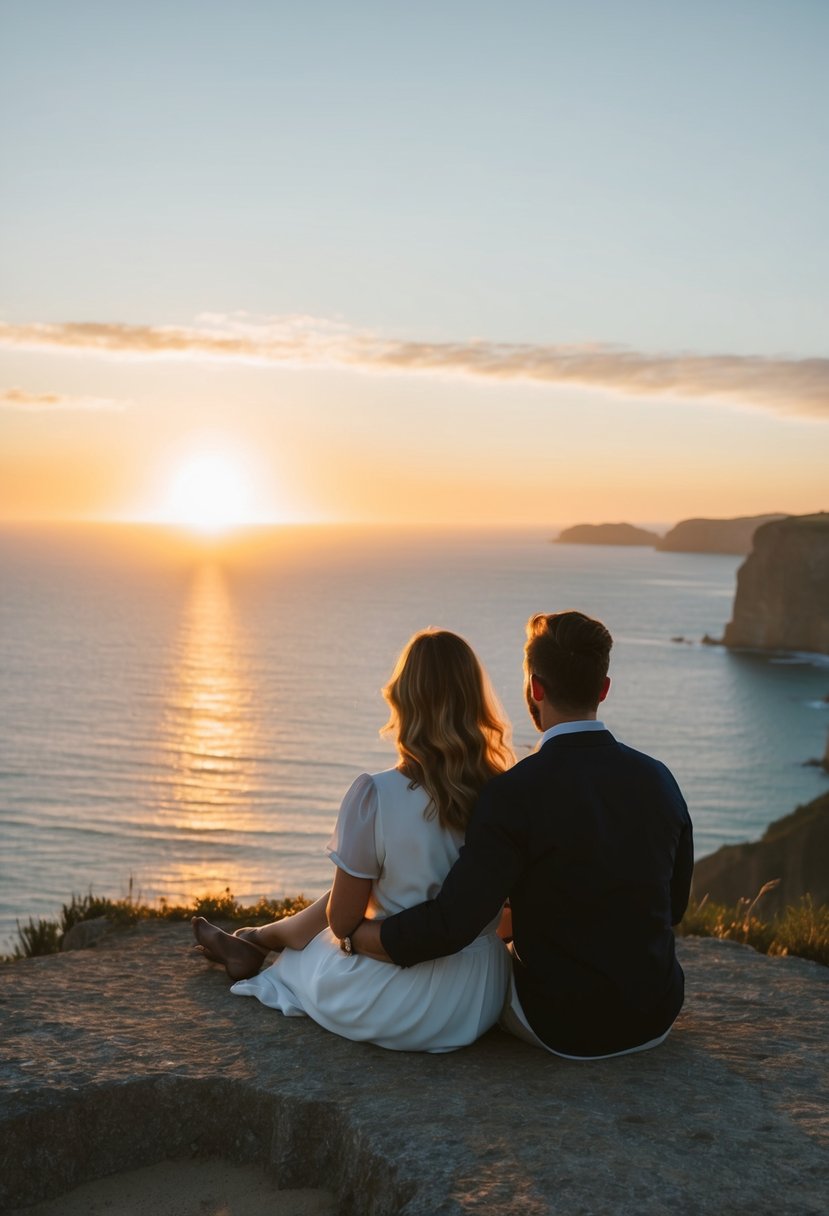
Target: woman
[397,835]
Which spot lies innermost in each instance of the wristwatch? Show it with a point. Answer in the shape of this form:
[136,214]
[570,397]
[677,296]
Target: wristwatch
[347,945]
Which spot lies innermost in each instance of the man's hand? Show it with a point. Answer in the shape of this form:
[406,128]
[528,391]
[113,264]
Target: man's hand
[366,940]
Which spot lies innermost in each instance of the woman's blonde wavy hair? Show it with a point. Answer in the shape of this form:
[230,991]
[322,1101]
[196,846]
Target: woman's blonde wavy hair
[450,731]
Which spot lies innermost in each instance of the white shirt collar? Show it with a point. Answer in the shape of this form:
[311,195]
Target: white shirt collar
[569,728]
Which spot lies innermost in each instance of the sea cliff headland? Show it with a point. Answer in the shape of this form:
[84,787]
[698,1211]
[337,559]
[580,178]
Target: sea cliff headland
[782,599]
[792,853]
[733,536]
[714,535]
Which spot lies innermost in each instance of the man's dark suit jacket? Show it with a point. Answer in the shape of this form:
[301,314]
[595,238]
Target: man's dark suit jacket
[592,843]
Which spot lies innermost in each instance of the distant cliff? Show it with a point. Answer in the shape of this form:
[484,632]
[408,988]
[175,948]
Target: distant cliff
[714,535]
[782,600]
[794,850]
[688,536]
[607,534]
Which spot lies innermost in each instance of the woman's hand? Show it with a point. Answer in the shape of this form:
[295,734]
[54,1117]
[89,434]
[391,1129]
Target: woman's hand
[366,940]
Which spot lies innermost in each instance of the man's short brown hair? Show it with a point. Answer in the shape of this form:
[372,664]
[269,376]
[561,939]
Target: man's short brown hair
[569,653]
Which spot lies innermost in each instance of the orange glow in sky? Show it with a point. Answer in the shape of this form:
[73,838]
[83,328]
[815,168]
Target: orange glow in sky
[592,313]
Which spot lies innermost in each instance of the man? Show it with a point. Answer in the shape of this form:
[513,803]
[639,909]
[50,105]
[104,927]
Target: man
[591,844]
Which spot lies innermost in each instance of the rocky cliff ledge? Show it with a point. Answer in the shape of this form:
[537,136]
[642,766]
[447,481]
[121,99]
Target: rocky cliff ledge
[793,850]
[782,600]
[714,535]
[136,1052]
[607,534]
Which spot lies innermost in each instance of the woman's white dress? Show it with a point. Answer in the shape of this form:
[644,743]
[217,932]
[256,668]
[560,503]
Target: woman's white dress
[383,834]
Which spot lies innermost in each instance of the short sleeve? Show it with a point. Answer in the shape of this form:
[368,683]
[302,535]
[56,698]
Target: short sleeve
[352,845]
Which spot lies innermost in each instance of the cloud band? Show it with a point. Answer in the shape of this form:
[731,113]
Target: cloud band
[37,403]
[784,385]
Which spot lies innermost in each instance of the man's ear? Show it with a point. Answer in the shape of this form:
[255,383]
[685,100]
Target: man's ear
[537,689]
[605,689]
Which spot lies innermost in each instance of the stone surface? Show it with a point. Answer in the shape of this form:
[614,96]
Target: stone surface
[606,534]
[136,1052]
[714,535]
[794,850]
[86,933]
[782,600]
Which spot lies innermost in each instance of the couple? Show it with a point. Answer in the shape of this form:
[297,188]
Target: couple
[581,854]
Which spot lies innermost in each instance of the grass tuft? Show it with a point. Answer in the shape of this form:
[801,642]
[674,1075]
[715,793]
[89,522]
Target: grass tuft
[37,937]
[802,931]
[41,937]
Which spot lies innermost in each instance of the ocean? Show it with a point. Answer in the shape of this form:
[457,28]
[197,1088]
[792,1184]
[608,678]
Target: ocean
[180,716]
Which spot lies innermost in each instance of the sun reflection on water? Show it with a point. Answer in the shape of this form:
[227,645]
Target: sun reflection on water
[209,720]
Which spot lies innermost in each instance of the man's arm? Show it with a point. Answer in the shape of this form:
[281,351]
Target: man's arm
[366,940]
[471,896]
[683,870]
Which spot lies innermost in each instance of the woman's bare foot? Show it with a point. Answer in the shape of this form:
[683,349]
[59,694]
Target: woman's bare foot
[250,934]
[211,958]
[241,959]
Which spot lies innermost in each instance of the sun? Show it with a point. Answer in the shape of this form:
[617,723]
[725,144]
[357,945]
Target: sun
[210,492]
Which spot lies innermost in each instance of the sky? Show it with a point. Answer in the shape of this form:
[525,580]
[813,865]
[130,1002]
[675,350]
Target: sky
[456,262]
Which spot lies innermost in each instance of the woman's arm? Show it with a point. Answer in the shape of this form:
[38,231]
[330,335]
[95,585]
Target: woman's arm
[347,902]
[353,849]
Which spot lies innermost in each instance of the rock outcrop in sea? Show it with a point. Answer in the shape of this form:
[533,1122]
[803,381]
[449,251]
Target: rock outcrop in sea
[793,850]
[782,600]
[714,535]
[135,1052]
[607,534]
